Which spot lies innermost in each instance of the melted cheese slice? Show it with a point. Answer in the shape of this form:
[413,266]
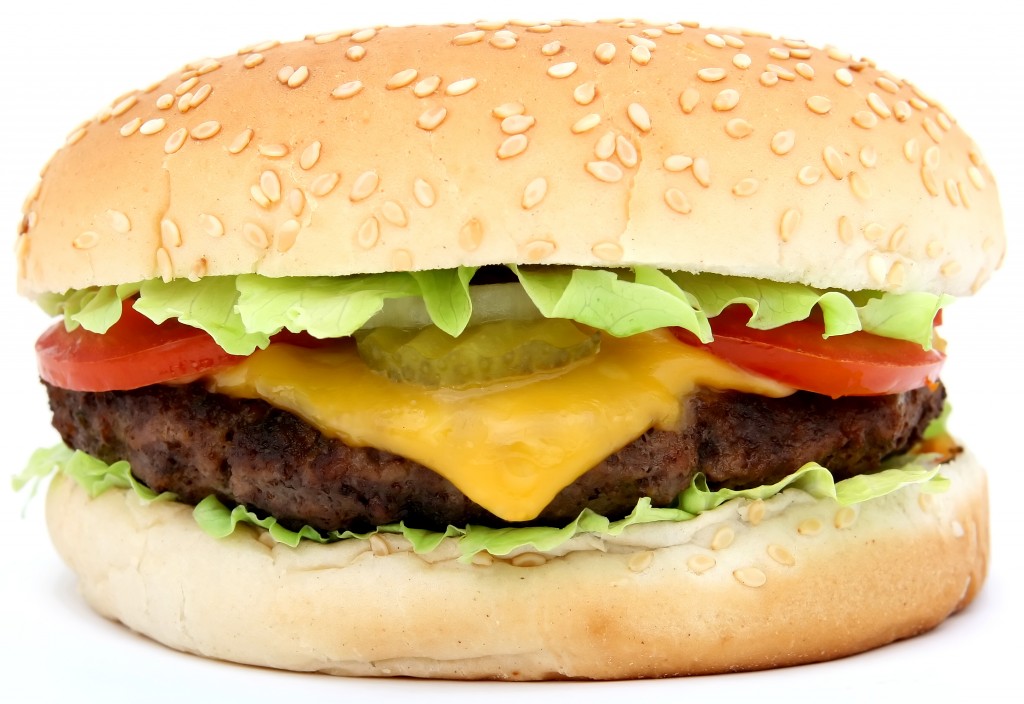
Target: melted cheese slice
[509,446]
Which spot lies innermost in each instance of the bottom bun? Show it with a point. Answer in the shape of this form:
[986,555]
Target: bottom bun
[750,585]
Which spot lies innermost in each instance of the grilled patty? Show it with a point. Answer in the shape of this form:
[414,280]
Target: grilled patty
[195,443]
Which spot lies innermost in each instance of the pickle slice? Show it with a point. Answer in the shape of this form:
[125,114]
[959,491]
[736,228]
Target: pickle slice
[483,353]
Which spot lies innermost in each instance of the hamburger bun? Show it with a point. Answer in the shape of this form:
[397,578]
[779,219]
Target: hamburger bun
[598,145]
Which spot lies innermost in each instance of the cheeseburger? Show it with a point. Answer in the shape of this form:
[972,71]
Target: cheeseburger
[513,351]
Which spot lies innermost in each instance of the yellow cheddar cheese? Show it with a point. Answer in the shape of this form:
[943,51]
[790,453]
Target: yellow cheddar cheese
[512,445]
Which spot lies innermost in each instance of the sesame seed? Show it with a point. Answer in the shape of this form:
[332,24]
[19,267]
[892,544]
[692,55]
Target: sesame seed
[805,71]
[638,562]
[605,146]
[467,38]
[819,104]
[355,53]
[810,526]
[504,41]
[284,73]
[461,87]
[423,192]
[952,192]
[165,101]
[702,171]
[626,152]
[834,162]
[270,184]
[898,237]
[296,202]
[932,156]
[607,251]
[431,118]
[950,268]
[789,224]
[769,79]
[170,235]
[837,54]
[471,236]
[677,162]
[782,72]
[205,130]
[877,104]
[742,61]
[929,125]
[259,196]
[253,60]
[604,171]
[868,156]
[639,116]
[286,234]
[176,140]
[551,48]
[539,28]
[534,192]
[887,85]
[714,40]
[365,184]
[517,124]
[364,35]
[711,75]
[185,103]
[738,128]
[911,150]
[119,222]
[328,38]
[874,231]
[152,126]
[201,95]
[699,564]
[394,213]
[513,146]
[750,577]
[163,264]
[783,142]
[347,90]
[928,179]
[298,78]
[368,233]
[124,106]
[640,55]
[746,187]
[918,104]
[860,187]
[865,119]
[186,86]
[563,70]
[310,155]
[976,177]
[688,100]
[211,225]
[781,555]
[964,197]
[605,52]
[674,28]
[844,76]
[677,201]
[943,119]
[726,100]
[585,93]
[401,79]
[536,250]
[723,538]
[902,111]
[778,53]
[428,86]
[639,40]
[241,141]
[507,109]
[86,240]
[324,184]
[845,229]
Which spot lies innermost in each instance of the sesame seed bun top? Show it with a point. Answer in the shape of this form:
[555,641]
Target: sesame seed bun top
[606,144]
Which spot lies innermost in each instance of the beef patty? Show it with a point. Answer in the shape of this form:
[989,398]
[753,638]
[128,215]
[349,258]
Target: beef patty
[195,443]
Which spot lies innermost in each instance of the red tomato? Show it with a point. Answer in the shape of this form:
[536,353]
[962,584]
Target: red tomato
[858,364]
[135,352]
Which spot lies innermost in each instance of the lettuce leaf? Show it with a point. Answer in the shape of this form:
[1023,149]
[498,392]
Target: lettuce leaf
[242,312]
[219,521]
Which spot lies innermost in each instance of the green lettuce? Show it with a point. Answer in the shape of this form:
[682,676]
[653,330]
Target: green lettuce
[219,521]
[242,312]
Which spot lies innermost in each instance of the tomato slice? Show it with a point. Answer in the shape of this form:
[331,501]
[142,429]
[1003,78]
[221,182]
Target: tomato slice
[858,364]
[135,352]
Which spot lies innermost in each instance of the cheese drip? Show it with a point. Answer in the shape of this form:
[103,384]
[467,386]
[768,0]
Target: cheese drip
[510,446]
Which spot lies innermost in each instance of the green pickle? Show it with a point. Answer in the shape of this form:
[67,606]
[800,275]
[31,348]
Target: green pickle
[483,353]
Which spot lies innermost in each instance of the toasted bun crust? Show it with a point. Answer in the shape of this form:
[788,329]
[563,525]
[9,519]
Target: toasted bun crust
[746,586]
[605,144]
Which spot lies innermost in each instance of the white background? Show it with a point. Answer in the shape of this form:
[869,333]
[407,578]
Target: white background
[62,62]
